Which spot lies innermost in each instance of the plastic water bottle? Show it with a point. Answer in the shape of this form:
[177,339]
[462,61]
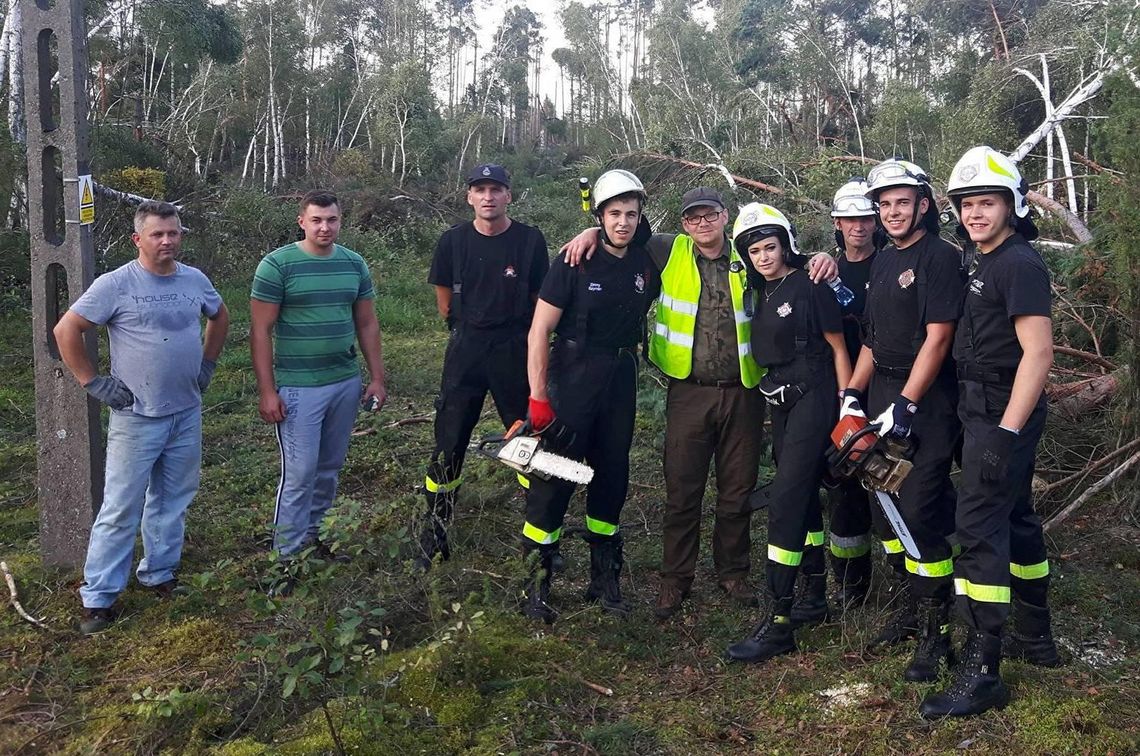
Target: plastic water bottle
[842,293]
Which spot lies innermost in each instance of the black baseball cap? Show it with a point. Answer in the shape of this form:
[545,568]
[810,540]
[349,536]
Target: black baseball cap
[702,196]
[489,172]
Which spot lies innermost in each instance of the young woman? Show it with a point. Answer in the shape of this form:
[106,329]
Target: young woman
[1003,349]
[587,380]
[797,334]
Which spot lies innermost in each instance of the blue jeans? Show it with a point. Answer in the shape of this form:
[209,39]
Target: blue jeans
[314,443]
[153,465]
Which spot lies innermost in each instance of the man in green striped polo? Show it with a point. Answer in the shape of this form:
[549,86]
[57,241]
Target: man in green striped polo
[310,307]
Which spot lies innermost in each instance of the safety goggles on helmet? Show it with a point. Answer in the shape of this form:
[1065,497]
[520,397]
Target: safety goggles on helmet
[757,221]
[614,184]
[983,170]
[895,172]
[851,200]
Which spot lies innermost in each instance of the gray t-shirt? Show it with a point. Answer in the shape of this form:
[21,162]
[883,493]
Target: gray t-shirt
[156,335]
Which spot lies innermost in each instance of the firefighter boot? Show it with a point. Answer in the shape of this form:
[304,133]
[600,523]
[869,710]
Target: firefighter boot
[433,537]
[933,642]
[810,605]
[771,638]
[977,685]
[902,622]
[605,573]
[1032,636]
[853,576]
[536,603]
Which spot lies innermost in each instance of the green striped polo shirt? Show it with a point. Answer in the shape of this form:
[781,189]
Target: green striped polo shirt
[315,334]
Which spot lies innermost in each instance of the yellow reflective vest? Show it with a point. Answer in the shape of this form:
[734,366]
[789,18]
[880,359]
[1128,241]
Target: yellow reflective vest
[671,345]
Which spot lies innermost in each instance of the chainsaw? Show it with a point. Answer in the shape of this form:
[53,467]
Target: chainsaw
[879,463]
[521,450]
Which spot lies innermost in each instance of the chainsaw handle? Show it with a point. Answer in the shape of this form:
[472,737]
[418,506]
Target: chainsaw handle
[867,429]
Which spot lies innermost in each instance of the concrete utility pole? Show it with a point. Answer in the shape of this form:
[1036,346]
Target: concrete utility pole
[61,209]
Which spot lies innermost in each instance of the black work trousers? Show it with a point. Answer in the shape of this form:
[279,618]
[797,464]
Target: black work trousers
[926,498]
[703,423]
[1002,544]
[476,361]
[849,532]
[800,438]
[594,393]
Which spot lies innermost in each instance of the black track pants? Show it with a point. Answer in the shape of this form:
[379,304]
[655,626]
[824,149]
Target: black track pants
[476,361]
[800,437]
[926,499]
[595,395]
[1002,544]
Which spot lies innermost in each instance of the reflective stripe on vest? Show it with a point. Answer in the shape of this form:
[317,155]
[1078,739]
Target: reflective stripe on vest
[671,345]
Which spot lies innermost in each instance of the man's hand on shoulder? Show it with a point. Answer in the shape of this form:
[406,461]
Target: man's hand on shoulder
[822,267]
[581,247]
[374,397]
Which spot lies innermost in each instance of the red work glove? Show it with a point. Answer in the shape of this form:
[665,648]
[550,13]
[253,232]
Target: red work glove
[540,414]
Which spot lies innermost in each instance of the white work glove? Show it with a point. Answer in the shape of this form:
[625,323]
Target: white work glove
[897,418]
[852,404]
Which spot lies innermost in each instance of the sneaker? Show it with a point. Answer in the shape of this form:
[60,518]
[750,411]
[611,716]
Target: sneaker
[740,591]
[669,601]
[325,553]
[282,587]
[96,620]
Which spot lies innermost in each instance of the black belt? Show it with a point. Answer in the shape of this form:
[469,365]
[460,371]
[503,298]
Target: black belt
[732,383]
[892,372]
[589,348]
[994,375]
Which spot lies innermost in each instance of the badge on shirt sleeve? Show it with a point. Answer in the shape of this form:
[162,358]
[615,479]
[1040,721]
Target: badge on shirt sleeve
[784,310]
[906,278]
[639,283]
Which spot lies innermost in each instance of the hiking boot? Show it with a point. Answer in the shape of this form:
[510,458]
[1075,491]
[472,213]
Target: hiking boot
[169,590]
[771,638]
[850,597]
[810,605]
[433,536]
[536,604]
[1032,637]
[902,623]
[324,552]
[740,591]
[605,573]
[977,685]
[669,600]
[934,643]
[557,561]
[97,620]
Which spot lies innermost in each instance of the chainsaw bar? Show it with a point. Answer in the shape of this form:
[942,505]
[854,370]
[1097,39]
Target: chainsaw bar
[521,453]
[898,524]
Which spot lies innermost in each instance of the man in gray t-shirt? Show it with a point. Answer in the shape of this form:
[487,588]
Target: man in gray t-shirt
[152,308]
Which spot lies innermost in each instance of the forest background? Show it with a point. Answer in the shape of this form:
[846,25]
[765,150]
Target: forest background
[233,109]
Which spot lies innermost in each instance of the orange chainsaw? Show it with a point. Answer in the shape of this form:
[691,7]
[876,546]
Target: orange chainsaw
[879,463]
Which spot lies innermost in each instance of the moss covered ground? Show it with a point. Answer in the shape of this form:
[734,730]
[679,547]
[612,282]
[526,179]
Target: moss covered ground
[369,657]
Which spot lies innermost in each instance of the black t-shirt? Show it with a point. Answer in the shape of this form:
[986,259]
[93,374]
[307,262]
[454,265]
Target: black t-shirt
[788,307]
[910,288]
[856,277]
[1008,282]
[499,275]
[617,293]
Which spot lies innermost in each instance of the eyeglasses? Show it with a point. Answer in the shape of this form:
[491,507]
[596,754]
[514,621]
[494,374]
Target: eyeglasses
[695,220]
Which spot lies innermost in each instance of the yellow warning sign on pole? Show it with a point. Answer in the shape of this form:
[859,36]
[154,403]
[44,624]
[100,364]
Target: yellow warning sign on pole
[86,200]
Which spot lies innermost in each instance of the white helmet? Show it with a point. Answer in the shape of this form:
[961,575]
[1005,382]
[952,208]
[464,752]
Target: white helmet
[851,200]
[615,183]
[757,221]
[983,170]
[897,172]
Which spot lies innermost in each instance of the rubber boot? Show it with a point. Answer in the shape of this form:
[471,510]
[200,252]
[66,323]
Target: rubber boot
[810,605]
[605,573]
[536,604]
[433,536]
[902,620]
[933,642]
[977,685]
[853,576]
[1032,636]
[771,638]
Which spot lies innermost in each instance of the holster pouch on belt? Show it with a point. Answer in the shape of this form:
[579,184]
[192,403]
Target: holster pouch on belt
[782,395]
